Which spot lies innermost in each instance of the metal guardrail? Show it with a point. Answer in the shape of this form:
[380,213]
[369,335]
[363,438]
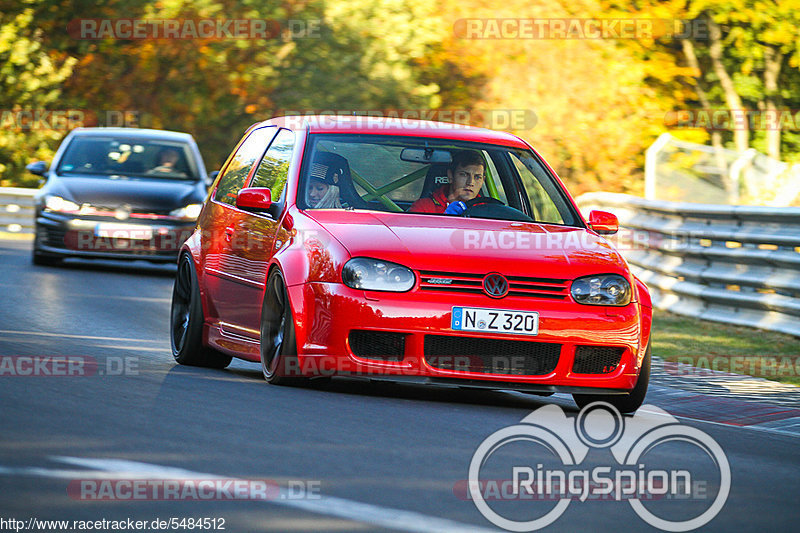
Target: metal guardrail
[16,210]
[734,264]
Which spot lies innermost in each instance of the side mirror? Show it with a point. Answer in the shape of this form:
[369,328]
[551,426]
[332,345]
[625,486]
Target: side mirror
[603,223]
[211,178]
[39,168]
[254,199]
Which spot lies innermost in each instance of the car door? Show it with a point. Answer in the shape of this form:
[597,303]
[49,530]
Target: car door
[223,273]
[255,234]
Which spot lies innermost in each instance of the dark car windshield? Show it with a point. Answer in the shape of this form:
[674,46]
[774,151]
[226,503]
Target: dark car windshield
[106,155]
[386,173]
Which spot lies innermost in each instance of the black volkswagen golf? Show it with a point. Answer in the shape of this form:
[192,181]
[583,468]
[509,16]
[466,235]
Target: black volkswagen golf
[118,193]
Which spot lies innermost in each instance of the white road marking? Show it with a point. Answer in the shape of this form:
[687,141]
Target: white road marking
[366,513]
[131,298]
[69,336]
[131,348]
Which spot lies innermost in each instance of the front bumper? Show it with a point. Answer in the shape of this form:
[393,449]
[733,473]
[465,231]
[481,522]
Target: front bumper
[151,240]
[333,320]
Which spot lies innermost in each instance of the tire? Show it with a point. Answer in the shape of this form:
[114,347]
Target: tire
[41,259]
[625,403]
[278,341]
[186,321]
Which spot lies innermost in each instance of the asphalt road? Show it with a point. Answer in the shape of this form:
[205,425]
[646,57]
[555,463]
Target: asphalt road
[344,456]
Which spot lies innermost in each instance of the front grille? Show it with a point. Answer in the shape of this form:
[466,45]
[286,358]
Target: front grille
[111,210]
[552,288]
[379,345]
[596,359]
[491,356]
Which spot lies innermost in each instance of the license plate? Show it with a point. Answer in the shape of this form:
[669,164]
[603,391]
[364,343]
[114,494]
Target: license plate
[123,231]
[495,321]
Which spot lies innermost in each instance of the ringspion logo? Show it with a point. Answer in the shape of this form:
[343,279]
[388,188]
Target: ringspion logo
[562,478]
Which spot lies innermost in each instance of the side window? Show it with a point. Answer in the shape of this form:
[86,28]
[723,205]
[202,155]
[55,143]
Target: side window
[248,153]
[544,208]
[491,173]
[274,168]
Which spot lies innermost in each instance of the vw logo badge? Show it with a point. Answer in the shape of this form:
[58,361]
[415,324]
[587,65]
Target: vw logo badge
[495,285]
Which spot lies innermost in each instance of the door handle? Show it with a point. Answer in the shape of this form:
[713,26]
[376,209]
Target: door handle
[228,233]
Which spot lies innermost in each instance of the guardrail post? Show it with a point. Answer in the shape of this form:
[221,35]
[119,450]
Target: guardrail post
[650,165]
[735,173]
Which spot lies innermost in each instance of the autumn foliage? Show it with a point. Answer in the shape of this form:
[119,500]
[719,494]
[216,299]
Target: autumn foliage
[596,103]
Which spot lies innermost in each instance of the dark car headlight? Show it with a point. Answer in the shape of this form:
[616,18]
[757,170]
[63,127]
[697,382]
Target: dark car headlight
[60,205]
[376,275]
[603,289]
[188,212]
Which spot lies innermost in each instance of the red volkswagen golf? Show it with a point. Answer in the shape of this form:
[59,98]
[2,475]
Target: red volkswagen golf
[408,251]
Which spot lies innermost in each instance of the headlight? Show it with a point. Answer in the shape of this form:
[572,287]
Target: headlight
[603,289]
[376,275]
[189,212]
[56,203]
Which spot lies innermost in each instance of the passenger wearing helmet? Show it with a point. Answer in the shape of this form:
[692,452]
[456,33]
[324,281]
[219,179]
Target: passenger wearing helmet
[322,191]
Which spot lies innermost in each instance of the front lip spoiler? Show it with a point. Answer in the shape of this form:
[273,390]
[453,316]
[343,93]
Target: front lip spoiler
[481,384]
[161,257]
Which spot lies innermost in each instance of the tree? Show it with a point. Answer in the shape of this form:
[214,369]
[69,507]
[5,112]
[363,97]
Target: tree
[30,84]
[744,56]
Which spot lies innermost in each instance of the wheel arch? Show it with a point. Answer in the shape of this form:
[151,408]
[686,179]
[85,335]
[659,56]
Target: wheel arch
[645,318]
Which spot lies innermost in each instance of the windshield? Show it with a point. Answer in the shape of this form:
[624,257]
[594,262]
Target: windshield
[129,157]
[424,176]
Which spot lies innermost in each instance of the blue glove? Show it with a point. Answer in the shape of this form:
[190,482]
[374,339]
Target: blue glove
[456,208]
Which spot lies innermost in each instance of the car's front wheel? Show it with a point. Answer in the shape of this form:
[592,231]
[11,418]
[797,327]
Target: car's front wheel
[39,257]
[278,342]
[42,259]
[186,321]
[625,403]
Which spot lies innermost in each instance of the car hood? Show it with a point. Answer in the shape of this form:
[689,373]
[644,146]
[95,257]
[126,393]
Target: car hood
[118,191]
[455,244]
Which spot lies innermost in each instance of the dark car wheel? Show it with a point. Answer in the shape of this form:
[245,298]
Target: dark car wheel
[278,342]
[39,257]
[43,259]
[186,321]
[625,403]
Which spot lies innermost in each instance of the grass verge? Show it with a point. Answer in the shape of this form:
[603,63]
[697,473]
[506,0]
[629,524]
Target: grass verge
[728,348]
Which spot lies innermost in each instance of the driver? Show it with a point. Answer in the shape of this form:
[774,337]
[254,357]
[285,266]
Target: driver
[168,159]
[465,177]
